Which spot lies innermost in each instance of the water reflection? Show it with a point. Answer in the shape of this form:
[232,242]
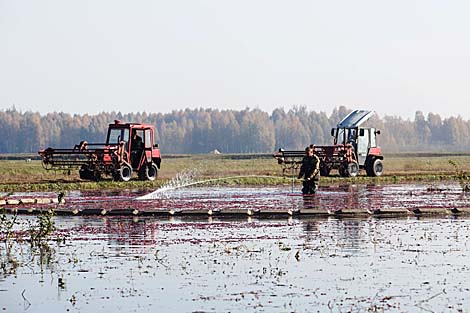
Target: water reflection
[311,202]
[131,231]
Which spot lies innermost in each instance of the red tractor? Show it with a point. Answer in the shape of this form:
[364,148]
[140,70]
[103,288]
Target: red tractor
[129,148]
[354,148]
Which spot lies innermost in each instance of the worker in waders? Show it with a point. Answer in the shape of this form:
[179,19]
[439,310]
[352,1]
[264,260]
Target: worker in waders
[310,171]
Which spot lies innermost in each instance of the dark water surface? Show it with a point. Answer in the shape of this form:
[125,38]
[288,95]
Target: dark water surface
[201,264]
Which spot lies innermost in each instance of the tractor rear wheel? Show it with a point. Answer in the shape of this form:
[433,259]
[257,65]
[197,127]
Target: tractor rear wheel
[124,173]
[352,169]
[149,172]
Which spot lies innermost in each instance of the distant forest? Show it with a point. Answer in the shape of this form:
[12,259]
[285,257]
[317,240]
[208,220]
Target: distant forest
[230,131]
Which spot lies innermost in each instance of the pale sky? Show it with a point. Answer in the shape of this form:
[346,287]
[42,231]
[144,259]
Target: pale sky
[394,57]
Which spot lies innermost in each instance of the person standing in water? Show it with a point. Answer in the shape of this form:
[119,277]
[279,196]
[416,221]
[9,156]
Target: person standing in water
[310,171]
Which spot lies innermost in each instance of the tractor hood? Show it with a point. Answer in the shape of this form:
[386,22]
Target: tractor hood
[355,119]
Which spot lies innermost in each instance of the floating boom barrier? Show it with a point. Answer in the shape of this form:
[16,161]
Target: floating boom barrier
[59,207]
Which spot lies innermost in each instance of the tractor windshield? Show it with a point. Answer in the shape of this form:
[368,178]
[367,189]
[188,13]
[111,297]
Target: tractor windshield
[116,135]
[344,135]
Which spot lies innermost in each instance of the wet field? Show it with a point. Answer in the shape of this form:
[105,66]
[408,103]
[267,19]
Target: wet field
[191,263]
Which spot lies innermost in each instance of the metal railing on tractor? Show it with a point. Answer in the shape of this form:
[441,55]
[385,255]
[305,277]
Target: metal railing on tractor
[82,154]
[331,157]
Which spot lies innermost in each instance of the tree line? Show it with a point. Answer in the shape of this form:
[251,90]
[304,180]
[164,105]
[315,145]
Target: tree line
[230,131]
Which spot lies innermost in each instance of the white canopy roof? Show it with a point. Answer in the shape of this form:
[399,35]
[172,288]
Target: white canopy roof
[355,119]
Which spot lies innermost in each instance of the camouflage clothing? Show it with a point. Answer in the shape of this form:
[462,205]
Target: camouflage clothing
[310,170]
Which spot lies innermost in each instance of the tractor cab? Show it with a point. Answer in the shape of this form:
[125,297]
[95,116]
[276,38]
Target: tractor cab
[362,139]
[138,148]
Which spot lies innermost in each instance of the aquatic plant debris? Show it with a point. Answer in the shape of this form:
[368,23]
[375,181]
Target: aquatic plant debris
[398,199]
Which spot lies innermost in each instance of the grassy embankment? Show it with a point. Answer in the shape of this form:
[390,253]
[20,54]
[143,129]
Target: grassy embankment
[18,175]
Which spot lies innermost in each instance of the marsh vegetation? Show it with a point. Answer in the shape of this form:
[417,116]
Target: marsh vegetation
[238,169]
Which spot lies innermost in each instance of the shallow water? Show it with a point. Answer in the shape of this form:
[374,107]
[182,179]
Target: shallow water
[201,264]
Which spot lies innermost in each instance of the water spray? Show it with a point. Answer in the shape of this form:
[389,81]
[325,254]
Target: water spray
[182,180]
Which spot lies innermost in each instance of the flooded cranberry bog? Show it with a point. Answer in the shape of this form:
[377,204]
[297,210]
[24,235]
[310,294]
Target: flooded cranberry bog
[395,247]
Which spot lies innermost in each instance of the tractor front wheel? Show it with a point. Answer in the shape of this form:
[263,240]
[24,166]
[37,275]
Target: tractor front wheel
[124,173]
[375,168]
[149,172]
